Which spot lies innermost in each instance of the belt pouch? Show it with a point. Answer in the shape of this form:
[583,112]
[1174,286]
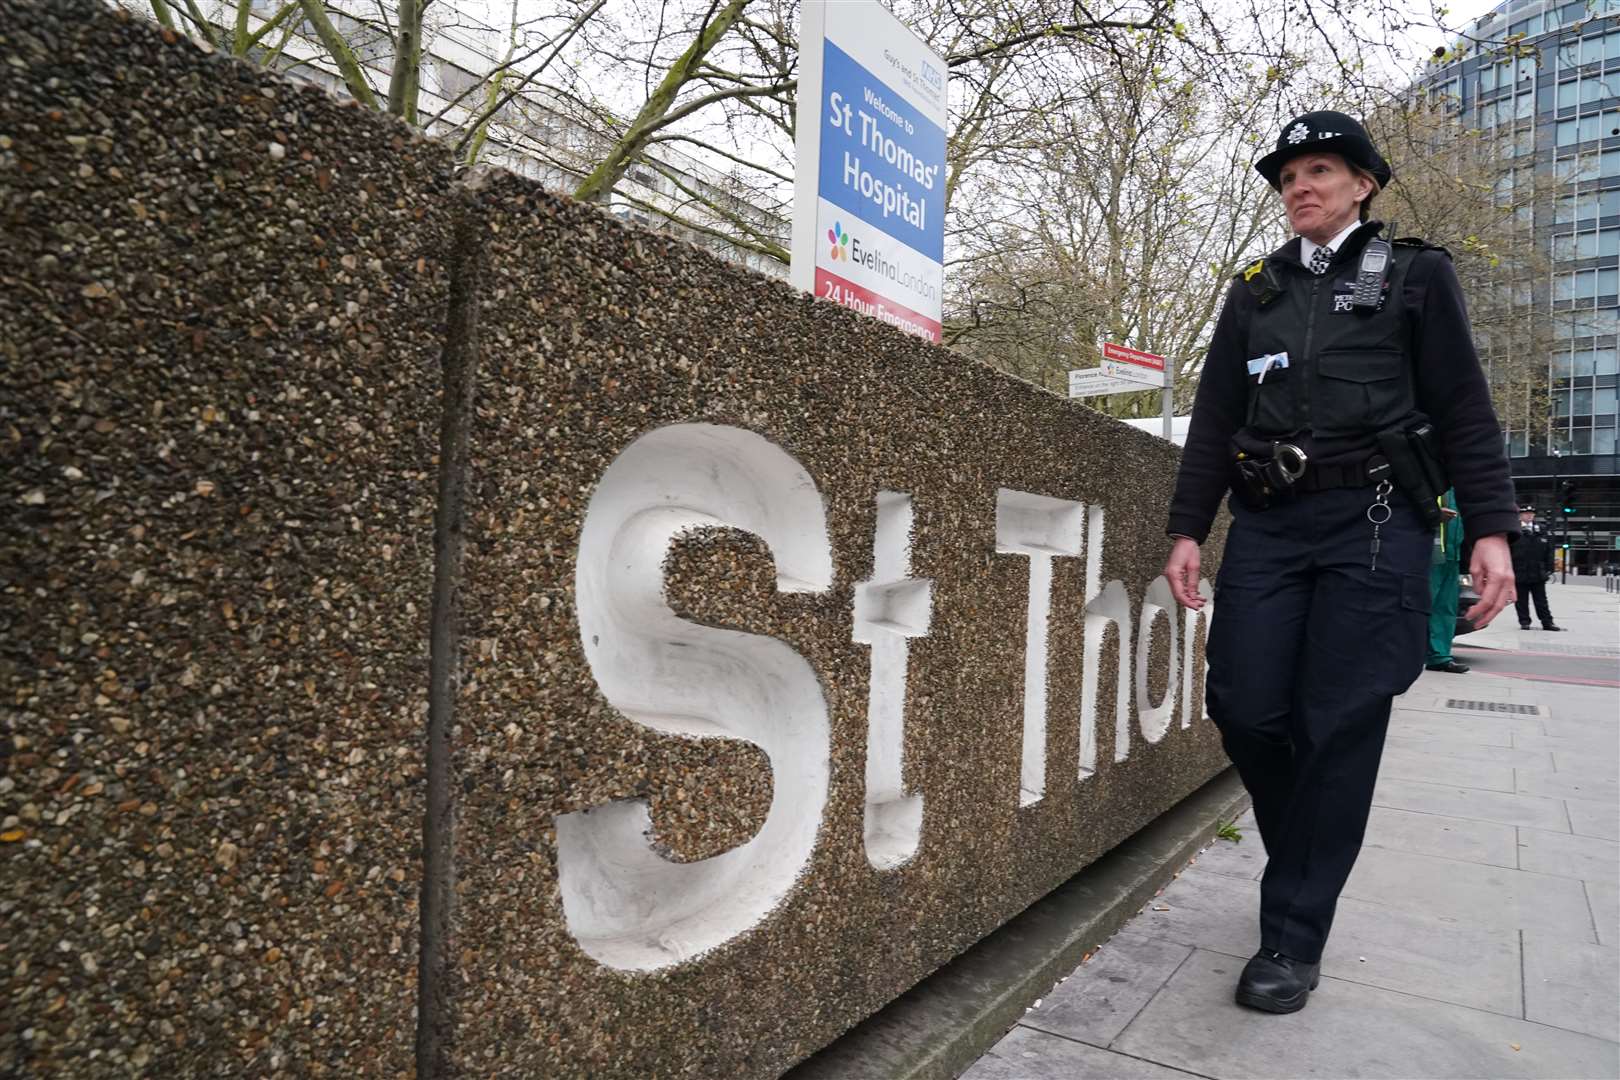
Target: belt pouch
[1410,474]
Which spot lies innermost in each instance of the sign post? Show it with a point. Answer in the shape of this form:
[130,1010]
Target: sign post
[869,182]
[1144,369]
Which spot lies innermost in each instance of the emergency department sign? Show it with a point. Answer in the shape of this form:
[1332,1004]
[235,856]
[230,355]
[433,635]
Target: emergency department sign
[869,194]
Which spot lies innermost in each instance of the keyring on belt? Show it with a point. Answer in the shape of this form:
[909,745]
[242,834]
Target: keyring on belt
[1381,502]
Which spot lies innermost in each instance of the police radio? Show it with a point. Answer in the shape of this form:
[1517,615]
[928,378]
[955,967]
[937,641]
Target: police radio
[1371,274]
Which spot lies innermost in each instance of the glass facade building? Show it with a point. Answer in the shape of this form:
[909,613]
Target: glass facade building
[1550,96]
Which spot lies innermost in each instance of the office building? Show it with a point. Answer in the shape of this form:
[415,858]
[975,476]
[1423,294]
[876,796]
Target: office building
[1543,80]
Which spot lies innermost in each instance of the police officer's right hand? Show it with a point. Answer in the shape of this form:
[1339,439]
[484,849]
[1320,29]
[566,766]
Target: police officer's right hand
[1181,570]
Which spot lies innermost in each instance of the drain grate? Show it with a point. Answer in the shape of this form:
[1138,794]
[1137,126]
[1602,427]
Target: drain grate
[1512,707]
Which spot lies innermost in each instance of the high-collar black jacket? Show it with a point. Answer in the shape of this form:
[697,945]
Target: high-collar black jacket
[1336,394]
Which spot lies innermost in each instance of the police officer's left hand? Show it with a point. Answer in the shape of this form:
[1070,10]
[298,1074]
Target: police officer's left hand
[1492,571]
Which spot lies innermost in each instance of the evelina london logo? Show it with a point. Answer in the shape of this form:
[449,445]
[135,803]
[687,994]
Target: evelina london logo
[840,241]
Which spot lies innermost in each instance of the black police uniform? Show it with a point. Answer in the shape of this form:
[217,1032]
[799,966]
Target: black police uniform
[1312,632]
[1532,566]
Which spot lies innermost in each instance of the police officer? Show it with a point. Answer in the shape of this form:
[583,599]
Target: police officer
[1532,556]
[1338,362]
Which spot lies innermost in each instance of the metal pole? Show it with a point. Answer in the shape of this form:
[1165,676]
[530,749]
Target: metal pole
[1168,399]
[1558,507]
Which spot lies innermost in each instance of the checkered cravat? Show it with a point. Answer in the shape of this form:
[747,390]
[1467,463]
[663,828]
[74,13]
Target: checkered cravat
[1320,260]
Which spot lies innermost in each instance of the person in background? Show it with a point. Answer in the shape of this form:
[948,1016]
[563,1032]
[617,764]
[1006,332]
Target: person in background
[1341,373]
[1443,589]
[1532,569]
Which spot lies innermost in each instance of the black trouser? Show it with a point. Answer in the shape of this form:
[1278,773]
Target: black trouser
[1527,589]
[1308,646]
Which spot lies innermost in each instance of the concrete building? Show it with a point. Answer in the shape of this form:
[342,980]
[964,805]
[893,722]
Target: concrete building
[1553,99]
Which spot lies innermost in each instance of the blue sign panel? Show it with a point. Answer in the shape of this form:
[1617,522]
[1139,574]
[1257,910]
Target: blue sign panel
[881,159]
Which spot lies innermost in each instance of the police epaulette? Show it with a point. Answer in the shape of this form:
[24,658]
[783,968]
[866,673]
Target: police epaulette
[1419,242]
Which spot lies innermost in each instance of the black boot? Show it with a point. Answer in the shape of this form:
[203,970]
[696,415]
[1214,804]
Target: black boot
[1276,983]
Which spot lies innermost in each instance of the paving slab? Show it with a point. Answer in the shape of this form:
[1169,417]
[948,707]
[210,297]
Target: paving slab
[1411,952]
[1571,785]
[1244,858]
[1586,761]
[1107,991]
[1489,728]
[1604,900]
[1348,1030]
[1579,746]
[1469,894]
[1434,726]
[1591,858]
[1027,1054]
[1578,727]
[1459,802]
[1470,751]
[1488,842]
[1594,818]
[1571,984]
[1401,764]
[1589,766]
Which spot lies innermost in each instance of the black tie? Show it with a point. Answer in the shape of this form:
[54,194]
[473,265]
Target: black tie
[1320,260]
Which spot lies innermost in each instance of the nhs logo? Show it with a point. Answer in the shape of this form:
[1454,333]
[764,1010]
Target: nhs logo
[932,77]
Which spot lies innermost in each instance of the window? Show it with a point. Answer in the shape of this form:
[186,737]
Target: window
[1603,441]
[1568,130]
[1525,104]
[1611,46]
[1609,202]
[1581,443]
[1519,444]
[1610,165]
[453,79]
[1604,361]
[1608,282]
[1578,285]
[1584,167]
[1561,365]
[1568,93]
[1560,401]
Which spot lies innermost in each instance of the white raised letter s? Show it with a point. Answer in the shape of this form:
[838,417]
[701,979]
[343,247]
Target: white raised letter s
[627,906]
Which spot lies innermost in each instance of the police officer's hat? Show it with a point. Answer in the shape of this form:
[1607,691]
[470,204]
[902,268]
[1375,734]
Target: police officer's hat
[1324,133]
[1527,509]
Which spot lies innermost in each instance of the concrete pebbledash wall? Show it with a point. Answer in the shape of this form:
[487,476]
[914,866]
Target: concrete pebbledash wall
[746,660]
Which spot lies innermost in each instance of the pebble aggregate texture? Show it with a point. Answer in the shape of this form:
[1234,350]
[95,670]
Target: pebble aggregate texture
[221,306]
[590,335]
[232,312]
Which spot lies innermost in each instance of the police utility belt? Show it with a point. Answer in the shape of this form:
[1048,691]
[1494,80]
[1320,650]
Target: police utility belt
[1407,458]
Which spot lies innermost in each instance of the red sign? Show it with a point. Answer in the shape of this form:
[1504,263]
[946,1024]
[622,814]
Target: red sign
[1132,356]
[840,290]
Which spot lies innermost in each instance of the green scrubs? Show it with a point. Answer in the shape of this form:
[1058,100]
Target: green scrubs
[1443,589]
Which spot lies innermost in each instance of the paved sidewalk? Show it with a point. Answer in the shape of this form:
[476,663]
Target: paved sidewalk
[1478,936]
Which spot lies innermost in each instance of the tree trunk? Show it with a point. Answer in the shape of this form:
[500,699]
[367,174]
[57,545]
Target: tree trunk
[405,83]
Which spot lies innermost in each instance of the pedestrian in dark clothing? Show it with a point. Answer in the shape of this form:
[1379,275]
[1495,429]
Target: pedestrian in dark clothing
[1532,556]
[1341,364]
